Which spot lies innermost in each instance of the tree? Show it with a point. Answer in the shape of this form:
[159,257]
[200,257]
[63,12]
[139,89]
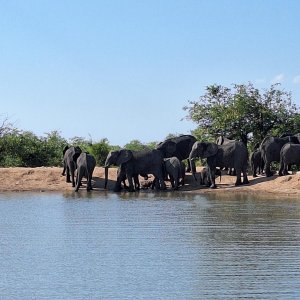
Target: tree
[243,113]
[6,127]
[100,151]
[135,145]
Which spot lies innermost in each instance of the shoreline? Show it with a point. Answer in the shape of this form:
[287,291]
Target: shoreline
[49,179]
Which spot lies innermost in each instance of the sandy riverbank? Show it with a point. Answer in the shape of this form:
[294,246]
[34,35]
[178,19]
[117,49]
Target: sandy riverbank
[50,179]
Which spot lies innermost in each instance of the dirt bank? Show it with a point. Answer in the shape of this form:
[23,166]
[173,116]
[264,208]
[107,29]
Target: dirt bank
[50,179]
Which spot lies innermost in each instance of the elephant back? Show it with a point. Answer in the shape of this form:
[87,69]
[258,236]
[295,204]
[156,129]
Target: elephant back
[180,146]
[222,140]
[290,153]
[234,153]
[145,160]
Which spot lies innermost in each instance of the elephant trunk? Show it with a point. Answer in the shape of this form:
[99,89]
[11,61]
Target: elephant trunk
[106,177]
[191,158]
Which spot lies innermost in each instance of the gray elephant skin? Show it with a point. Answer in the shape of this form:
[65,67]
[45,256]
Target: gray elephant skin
[70,164]
[175,169]
[256,162]
[85,167]
[270,149]
[222,140]
[122,176]
[289,155]
[231,155]
[205,177]
[133,163]
[179,147]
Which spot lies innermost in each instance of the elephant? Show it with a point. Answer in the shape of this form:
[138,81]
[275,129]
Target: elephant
[175,169]
[122,175]
[231,155]
[289,154]
[70,164]
[222,140]
[133,163]
[256,161]
[270,150]
[64,164]
[205,178]
[180,147]
[85,167]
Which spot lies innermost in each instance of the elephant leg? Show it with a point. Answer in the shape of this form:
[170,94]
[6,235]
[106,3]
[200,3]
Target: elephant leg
[78,180]
[160,178]
[73,179]
[212,177]
[64,170]
[176,183]
[155,184]
[68,178]
[254,168]
[130,182]
[136,182]
[89,183]
[172,180]
[285,169]
[268,171]
[245,177]
[117,187]
[238,177]
[281,169]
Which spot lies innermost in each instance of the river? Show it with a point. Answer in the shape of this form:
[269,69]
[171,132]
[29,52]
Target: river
[148,246]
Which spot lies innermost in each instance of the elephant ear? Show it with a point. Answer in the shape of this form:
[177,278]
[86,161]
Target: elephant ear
[209,149]
[170,147]
[75,156]
[65,149]
[220,140]
[123,157]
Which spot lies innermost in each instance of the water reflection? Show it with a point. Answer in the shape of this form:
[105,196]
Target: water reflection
[148,246]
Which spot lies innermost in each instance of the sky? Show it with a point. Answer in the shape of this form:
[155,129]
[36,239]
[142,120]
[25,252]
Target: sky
[124,69]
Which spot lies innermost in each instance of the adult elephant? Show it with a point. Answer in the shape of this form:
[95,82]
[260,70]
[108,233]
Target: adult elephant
[231,155]
[222,140]
[85,167]
[289,155]
[133,163]
[70,164]
[179,147]
[270,150]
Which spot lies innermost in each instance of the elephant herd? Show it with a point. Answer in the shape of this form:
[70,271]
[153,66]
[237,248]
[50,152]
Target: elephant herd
[166,161]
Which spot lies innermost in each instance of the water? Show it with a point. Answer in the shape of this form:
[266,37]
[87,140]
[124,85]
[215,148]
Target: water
[148,246]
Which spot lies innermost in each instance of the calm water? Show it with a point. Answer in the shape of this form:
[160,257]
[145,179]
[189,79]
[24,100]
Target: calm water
[148,246]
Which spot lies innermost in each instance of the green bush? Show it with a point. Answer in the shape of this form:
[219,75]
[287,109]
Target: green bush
[99,151]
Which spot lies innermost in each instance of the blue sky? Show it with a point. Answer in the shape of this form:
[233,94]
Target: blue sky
[123,70]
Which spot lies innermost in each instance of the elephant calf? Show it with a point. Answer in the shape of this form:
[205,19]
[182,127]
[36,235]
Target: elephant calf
[85,167]
[289,155]
[257,163]
[176,171]
[205,176]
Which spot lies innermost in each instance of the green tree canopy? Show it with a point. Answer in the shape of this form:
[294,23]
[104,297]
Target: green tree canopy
[243,112]
[135,145]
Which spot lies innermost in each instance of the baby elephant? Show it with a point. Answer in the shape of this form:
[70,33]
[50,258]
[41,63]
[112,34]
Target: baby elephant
[176,171]
[204,176]
[289,155]
[257,163]
[85,167]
